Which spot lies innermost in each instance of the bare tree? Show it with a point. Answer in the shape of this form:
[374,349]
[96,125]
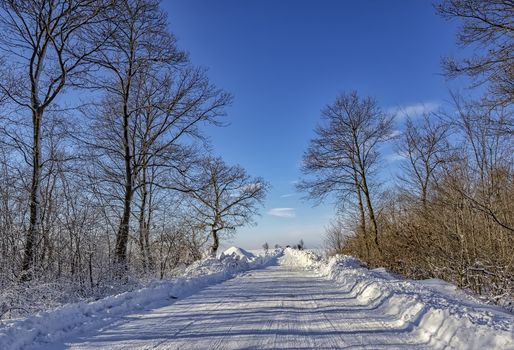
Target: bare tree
[343,156]
[171,109]
[65,177]
[489,153]
[224,197]
[488,26]
[140,38]
[458,224]
[153,99]
[425,148]
[265,246]
[47,44]
[335,237]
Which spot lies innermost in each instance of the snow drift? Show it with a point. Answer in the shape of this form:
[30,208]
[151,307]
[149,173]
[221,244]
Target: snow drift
[439,314]
[47,327]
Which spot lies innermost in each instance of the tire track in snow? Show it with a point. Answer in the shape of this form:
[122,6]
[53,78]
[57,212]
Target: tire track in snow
[275,308]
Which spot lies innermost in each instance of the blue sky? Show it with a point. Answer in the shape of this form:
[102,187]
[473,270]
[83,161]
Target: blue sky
[284,60]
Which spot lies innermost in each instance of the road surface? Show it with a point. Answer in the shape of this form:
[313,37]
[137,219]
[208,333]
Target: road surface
[278,307]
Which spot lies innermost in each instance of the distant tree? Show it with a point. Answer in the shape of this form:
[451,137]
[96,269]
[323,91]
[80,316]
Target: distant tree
[486,25]
[335,237]
[265,246]
[301,245]
[277,246]
[343,156]
[224,197]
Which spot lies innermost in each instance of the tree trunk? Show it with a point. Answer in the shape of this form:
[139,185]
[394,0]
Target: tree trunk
[123,231]
[371,212]
[142,223]
[35,205]
[122,236]
[149,258]
[215,242]
[362,214]
[362,223]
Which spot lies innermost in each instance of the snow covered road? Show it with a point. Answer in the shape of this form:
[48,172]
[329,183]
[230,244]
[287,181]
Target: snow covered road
[285,300]
[279,307]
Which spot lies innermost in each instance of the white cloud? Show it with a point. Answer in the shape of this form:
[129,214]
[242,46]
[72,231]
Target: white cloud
[283,212]
[287,195]
[414,110]
[251,187]
[395,133]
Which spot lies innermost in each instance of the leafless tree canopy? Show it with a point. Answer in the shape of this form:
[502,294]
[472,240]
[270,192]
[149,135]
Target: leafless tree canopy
[344,156]
[223,198]
[450,214]
[47,44]
[426,148]
[486,25]
[106,174]
[102,118]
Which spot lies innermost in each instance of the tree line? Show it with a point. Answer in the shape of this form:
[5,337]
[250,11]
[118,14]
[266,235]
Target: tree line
[105,170]
[450,212]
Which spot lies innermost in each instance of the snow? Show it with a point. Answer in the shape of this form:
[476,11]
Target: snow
[47,327]
[442,314]
[294,300]
[238,252]
[300,258]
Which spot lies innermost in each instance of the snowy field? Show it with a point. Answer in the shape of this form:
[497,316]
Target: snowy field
[293,300]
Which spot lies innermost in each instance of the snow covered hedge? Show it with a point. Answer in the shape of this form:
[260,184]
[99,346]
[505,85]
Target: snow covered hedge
[439,312]
[46,327]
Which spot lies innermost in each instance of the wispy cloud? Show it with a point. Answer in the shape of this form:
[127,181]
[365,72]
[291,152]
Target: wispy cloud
[283,212]
[287,195]
[414,110]
[246,188]
[393,157]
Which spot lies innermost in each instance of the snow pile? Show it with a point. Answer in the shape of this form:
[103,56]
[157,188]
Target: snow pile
[47,327]
[300,258]
[439,314]
[239,253]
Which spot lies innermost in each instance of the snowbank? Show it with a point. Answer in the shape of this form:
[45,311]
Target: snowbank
[46,327]
[440,314]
